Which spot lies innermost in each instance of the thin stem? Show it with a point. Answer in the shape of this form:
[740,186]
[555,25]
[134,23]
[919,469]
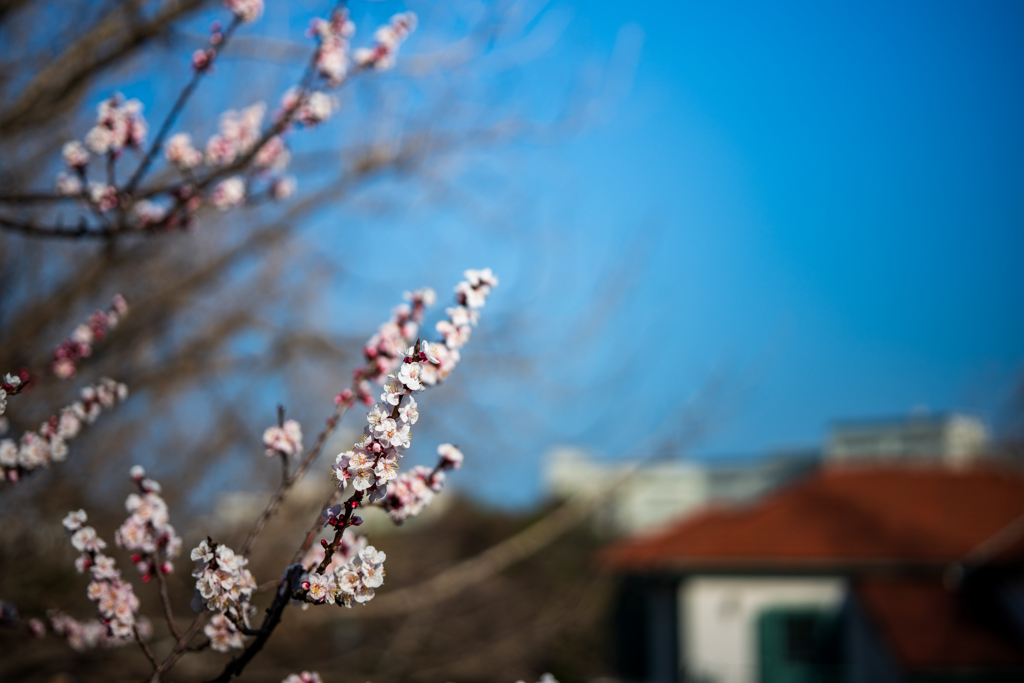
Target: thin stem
[172,116]
[34,198]
[311,455]
[111,169]
[30,227]
[311,534]
[146,650]
[167,603]
[350,506]
[180,648]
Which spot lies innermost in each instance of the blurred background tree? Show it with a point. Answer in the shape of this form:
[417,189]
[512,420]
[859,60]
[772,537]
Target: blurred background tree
[253,308]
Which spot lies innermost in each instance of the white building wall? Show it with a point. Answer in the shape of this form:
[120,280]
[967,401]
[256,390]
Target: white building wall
[658,493]
[953,439]
[718,620]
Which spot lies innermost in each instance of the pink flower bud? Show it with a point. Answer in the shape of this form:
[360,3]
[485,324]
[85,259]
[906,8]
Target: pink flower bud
[200,60]
[36,628]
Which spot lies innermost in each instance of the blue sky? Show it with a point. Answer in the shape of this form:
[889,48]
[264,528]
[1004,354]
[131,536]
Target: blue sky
[840,190]
[825,199]
[831,198]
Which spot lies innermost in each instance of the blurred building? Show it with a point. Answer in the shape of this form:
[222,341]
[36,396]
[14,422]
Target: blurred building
[881,573]
[664,491]
[661,492]
[954,439]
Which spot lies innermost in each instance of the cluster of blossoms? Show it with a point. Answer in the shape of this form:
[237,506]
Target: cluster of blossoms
[80,635]
[373,462]
[115,600]
[470,294]
[285,440]
[85,635]
[10,385]
[348,583]
[239,134]
[388,38]
[147,533]
[49,444]
[386,348]
[72,350]
[246,10]
[145,213]
[180,153]
[309,109]
[332,56]
[224,636]
[304,677]
[412,491]
[223,585]
[119,124]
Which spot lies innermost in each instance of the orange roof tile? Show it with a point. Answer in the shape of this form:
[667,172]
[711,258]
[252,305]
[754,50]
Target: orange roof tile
[926,626]
[848,516]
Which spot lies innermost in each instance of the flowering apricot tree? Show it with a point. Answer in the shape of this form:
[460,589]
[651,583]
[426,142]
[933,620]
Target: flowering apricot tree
[244,162]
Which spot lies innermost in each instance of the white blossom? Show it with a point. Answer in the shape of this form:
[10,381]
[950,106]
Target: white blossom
[75,155]
[246,10]
[409,411]
[286,439]
[223,635]
[179,152]
[229,193]
[409,374]
[304,677]
[394,389]
[451,455]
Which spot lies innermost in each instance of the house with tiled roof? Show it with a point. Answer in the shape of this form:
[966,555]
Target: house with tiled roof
[869,572]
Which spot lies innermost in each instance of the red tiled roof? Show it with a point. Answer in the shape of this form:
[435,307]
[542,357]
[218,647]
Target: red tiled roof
[926,627]
[842,517]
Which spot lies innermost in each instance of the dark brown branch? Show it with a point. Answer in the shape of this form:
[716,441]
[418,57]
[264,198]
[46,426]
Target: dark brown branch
[181,647]
[145,649]
[30,227]
[311,455]
[172,116]
[270,622]
[115,37]
[166,602]
[35,198]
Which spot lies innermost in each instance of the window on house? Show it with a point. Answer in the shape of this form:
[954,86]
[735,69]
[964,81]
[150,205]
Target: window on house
[799,637]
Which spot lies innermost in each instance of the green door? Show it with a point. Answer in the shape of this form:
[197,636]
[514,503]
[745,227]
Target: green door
[799,645]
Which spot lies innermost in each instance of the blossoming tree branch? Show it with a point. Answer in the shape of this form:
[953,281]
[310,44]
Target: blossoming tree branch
[399,363]
[246,160]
